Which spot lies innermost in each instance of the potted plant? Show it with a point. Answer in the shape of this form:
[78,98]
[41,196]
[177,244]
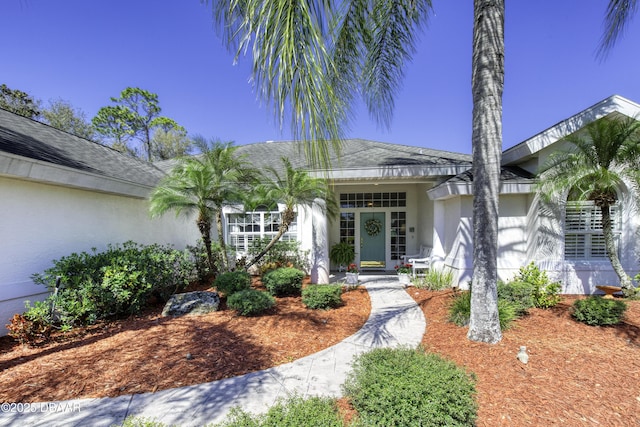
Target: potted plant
[352,274]
[404,270]
[342,254]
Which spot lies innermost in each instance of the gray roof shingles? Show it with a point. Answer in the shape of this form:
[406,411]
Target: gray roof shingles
[28,138]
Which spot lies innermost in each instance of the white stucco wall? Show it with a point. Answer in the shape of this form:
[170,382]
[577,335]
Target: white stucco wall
[40,223]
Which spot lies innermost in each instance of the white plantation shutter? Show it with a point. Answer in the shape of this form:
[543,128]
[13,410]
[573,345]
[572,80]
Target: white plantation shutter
[583,239]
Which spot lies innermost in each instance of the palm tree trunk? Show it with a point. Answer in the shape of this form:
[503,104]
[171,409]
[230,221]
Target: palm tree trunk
[612,251]
[287,218]
[223,247]
[204,225]
[487,85]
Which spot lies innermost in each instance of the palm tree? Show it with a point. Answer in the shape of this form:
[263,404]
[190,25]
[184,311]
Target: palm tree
[295,187]
[311,57]
[204,185]
[594,168]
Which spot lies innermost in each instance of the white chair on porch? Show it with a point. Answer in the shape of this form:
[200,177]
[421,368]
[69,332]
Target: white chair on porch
[421,264]
[425,251]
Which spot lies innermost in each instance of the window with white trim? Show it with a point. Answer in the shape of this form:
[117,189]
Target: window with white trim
[244,228]
[583,238]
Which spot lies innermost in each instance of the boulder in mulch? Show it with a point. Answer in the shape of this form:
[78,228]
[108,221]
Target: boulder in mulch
[199,302]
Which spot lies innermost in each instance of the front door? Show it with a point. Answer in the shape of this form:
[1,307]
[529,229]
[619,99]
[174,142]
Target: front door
[372,240]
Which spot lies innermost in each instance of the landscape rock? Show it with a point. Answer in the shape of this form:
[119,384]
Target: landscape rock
[199,302]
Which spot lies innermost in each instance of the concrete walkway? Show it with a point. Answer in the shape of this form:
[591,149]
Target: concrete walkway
[395,320]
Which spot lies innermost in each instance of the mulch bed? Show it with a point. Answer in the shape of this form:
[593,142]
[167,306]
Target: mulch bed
[577,375]
[148,352]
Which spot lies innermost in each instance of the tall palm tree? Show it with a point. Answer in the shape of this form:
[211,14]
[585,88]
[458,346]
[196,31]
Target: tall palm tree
[594,168]
[204,185]
[293,188]
[310,58]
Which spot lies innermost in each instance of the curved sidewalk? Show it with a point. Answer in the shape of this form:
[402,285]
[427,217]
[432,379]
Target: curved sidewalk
[395,320]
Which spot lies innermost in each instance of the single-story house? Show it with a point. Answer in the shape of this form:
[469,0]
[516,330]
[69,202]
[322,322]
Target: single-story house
[63,194]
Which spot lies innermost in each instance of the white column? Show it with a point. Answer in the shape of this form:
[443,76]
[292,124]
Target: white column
[319,245]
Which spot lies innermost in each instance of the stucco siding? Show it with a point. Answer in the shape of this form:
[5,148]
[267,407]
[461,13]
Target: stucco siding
[40,223]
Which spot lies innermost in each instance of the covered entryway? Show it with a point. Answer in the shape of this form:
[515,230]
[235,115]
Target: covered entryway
[372,240]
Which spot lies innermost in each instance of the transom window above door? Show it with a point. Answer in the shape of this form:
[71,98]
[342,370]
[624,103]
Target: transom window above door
[373,200]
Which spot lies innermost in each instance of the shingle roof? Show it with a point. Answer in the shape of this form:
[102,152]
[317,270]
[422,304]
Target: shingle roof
[28,138]
[507,173]
[355,153]
[34,140]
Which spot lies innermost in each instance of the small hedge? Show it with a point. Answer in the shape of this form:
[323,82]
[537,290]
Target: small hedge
[284,281]
[406,387]
[250,302]
[519,294]
[291,412]
[322,296]
[233,281]
[598,311]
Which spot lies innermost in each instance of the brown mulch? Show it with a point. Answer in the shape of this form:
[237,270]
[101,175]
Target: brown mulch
[149,352]
[577,375]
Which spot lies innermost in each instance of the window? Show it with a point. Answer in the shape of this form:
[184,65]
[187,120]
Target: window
[398,234]
[583,239]
[373,200]
[244,229]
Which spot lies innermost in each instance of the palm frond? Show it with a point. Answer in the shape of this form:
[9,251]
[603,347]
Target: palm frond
[619,13]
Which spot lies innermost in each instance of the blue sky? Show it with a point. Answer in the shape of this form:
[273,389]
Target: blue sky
[88,51]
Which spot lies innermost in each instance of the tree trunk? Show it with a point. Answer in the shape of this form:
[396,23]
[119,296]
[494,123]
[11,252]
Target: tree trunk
[287,218]
[204,225]
[487,84]
[223,247]
[612,251]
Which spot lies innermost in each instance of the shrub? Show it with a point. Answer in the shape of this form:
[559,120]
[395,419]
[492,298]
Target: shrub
[282,254]
[322,296]
[435,279]
[406,387]
[131,421]
[232,282]
[518,293]
[283,281]
[250,302]
[118,281]
[545,292]
[291,412]
[598,311]
[460,311]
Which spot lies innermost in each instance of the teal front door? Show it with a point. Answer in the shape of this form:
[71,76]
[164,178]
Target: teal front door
[372,240]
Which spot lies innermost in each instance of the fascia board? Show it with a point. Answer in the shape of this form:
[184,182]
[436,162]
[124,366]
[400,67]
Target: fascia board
[35,170]
[566,127]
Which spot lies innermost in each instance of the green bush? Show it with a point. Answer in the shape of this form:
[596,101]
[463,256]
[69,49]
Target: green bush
[201,263]
[598,311]
[250,302]
[283,254]
[406,387]
[141,422]
[233,281]
[518,293]
[119,281]
[460,311]
[322,296]
[545,292]
[291,412]
[283,281]
[434,279]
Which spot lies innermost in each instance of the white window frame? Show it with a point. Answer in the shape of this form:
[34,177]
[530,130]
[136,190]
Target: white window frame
[260,223]
[583,238]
